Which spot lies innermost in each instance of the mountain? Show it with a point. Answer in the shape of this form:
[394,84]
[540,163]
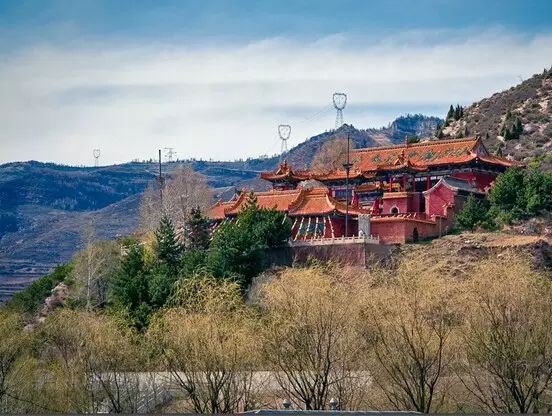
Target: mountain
[516,121]
[44,206]
[396,132]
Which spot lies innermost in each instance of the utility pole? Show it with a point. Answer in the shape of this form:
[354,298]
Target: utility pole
[347,167]
[160,180]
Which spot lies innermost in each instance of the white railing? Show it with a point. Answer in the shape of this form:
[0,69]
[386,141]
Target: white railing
[370,239]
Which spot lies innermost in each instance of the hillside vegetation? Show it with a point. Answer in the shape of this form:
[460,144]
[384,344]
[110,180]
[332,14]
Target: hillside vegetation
[515,122]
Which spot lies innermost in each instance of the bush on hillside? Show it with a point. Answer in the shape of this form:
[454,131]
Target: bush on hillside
[30,299]
[475,214]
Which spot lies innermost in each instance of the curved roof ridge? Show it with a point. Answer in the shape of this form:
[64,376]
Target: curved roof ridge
[276,192]
[419,144]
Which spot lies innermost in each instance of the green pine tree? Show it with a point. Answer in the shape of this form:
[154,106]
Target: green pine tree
[475,213]
[518,127]
[457,112]
[130,288]
[197,231]
[169,249]
[450,113]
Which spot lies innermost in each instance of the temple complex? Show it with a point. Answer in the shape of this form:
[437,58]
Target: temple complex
[391,195]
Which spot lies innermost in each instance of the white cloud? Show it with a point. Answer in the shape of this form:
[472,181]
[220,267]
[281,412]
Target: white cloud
[225,101]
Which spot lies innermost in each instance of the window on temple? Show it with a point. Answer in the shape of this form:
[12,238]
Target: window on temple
[394,210]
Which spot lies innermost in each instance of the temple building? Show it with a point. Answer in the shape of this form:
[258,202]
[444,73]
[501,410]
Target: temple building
[394,194]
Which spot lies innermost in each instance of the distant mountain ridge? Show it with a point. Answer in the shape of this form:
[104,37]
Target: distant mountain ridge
[43,206]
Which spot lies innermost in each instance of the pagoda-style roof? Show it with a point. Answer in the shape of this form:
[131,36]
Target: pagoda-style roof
[341,174]
[279,200]
[408,158]
[218,211]
[284,172]
[315,201]
[423,155]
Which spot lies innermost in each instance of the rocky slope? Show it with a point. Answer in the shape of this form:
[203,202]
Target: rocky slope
[458,254]
[495,119]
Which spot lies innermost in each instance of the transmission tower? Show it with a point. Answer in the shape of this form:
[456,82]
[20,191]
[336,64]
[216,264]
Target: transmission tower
[169,153]
[339,102]
[284,131]
[96,154]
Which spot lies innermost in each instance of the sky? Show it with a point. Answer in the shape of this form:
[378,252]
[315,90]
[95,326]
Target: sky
[214,79]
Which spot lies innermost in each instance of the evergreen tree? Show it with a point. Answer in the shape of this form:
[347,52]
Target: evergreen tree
[197,231]
[238,247]
[508,192]
[518,127]
[130,288]
[475,213]
[169,249]
[457,112]
[450,114]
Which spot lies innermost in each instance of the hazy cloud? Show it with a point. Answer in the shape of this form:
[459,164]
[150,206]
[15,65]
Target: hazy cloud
[225,101]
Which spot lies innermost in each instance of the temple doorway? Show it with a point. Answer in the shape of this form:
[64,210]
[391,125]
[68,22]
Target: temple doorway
[415,235]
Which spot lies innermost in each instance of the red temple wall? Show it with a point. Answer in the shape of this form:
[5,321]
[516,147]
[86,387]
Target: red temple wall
[437,199]
[405,203]
[481,179]
[400,232]
[401,202]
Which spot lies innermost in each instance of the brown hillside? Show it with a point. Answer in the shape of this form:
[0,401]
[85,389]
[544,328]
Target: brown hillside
[530,102]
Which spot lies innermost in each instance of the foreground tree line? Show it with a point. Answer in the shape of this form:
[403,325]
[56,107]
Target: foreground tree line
[375,339]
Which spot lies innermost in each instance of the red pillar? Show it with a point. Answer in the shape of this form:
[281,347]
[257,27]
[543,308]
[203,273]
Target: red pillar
[413,184]
[391,184]
[404,183]
[428,182]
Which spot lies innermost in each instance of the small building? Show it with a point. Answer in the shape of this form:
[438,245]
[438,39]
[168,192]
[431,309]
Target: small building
[396,193]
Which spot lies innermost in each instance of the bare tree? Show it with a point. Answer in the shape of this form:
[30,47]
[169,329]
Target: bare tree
[186,189]
[309,338]
[93,267]
[409,327]
[508,363]
[92,363]
[331,156]
[207,346]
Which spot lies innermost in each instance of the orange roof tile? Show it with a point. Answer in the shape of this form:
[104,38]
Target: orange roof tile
[341,174]
[284,171]
[421,155]
[218,211]
[280,200]
[317,201]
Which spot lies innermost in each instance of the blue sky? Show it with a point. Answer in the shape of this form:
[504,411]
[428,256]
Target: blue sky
[213,79]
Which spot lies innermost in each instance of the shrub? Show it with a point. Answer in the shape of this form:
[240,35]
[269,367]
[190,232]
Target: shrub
[30,299]
[475,214]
